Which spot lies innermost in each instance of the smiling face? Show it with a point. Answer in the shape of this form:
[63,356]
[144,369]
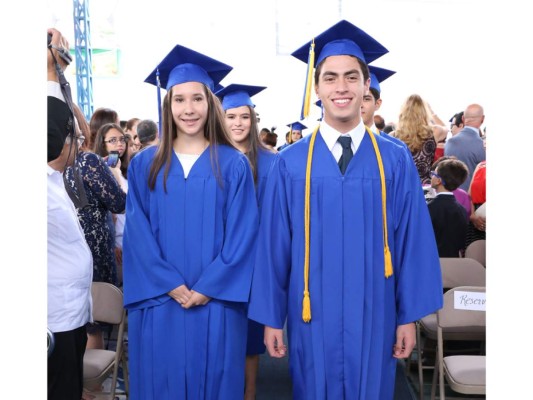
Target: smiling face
[341,86]
[189,108]
[239,122]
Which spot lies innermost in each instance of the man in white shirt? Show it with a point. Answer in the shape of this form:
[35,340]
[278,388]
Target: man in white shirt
[69,258]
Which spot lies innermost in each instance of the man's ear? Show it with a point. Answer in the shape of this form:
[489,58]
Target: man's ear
[378,104]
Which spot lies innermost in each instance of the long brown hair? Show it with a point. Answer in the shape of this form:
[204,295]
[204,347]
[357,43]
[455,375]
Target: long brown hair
[101,149]
[254,143]
[100,117]
[215,132]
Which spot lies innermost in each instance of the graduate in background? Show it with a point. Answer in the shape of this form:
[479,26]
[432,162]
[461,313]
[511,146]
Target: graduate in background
[242,124]
[293,135]
[346,249]
[190,229]
[372,100]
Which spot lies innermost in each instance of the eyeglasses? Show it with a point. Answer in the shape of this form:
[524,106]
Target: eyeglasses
[433,173]
[115,140]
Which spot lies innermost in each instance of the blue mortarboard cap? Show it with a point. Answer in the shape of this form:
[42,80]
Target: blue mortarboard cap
[343,38]
[235,95]
[185,65]
[297,126]
[378,75]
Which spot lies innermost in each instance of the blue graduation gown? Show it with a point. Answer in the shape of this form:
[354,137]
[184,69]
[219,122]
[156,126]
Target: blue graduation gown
[345,351]
[200,235]
[255,343]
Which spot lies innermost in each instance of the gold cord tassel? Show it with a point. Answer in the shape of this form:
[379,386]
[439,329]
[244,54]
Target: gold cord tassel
[306,309]
[387,258]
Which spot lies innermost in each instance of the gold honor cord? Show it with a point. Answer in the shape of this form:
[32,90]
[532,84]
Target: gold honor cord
[306,309]
[386,250]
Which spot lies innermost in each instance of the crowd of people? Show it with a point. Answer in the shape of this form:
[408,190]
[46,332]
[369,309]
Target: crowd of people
[221,240]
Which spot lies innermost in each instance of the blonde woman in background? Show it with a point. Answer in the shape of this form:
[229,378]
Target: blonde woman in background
[416,129]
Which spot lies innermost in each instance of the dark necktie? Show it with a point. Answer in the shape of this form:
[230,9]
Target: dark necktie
[347,153]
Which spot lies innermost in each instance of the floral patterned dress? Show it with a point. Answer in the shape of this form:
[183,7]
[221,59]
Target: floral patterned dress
[424,159]
[104,196]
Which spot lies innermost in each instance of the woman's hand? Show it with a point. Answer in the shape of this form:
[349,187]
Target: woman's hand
[196,299]
[181,294]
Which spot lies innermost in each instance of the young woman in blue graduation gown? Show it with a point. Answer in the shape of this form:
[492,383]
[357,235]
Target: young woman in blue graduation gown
[190,228]
[242,125]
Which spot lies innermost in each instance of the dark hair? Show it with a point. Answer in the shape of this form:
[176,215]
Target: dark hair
[101,150]
[100,117]
[146,131]
[215,132]
[453,173]
[388,128]
[375,94]
[131,123]
[457,119]
[379,121]
[271,139]
[362,64]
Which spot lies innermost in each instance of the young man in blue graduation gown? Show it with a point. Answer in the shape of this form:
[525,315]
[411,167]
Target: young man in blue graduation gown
[346,253]
[188,240]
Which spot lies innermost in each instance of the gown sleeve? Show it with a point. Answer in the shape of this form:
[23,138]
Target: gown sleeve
[228,277]
[147,276]
[273,258]
[416,260]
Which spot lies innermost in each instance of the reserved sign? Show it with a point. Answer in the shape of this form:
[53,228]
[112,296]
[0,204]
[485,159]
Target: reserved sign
[474,301]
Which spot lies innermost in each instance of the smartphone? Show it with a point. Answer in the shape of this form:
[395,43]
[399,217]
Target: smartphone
[112,159]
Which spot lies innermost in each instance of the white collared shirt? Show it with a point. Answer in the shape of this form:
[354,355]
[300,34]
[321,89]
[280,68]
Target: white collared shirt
[70,263]
[330,136]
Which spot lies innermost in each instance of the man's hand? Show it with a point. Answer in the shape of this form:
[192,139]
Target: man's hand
[405,340]
[274,342]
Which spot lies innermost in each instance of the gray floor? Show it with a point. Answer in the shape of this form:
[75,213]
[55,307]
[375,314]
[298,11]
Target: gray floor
[273,381]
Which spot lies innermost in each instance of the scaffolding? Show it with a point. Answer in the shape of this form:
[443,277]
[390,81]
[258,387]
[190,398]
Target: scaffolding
[83,53]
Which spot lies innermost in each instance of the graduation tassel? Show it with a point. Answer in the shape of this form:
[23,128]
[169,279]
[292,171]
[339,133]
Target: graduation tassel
[308,81]
[290,135]
[306,309]
[386,251]
[158,100]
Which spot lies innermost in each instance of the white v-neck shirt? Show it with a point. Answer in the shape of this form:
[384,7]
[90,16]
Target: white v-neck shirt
[187,161]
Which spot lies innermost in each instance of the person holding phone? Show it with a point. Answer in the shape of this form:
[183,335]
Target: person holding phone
[106,194]
[189,240]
